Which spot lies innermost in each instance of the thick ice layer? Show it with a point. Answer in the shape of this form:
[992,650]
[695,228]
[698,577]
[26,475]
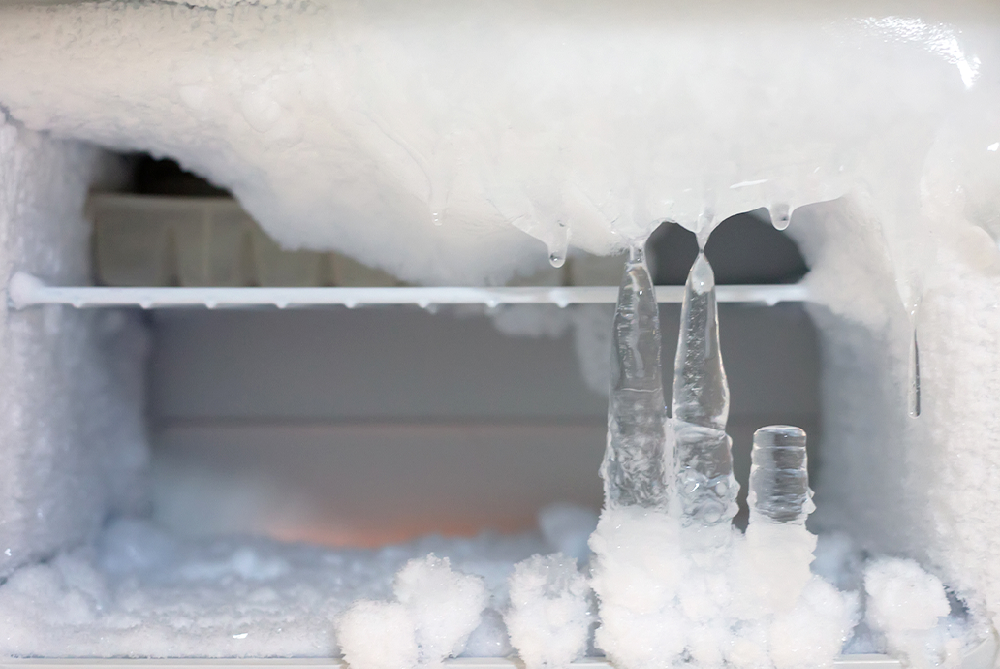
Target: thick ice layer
[706,487]
[639,453]
[453,142]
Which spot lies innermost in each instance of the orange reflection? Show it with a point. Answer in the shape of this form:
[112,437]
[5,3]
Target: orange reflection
[375,536]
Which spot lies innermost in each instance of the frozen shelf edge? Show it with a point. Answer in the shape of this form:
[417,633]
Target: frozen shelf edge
[842,662]
[970,661]
[982,656]
[26,290]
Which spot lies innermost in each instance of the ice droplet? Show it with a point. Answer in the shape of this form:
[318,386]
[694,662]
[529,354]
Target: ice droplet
[781,215]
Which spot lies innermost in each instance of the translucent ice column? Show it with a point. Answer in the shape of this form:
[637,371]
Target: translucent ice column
[634,468]
[778,548]
[779,484]
[706,488]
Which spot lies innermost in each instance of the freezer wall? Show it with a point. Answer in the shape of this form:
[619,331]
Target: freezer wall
[72,443]
[926,486]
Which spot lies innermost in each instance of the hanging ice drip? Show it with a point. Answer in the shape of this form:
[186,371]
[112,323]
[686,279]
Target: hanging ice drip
[706,487]
[635,462]
[913,396]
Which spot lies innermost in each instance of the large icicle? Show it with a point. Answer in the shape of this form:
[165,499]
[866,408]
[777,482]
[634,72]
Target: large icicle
[635,462]
[706,488]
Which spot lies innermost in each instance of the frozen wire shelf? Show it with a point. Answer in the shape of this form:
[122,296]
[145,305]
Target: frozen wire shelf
[26,290]
[970,661]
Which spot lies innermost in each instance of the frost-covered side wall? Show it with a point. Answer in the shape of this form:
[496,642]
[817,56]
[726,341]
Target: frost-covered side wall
[72,442]
[927,486]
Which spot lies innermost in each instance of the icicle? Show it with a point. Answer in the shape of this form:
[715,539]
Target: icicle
[634,468]
[559,247]
[913,395]
[706,487]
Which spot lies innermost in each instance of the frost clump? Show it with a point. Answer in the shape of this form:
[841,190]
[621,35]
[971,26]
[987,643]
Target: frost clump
[549,615]
[910,607]
[377,635]
[436,610]
[813,632]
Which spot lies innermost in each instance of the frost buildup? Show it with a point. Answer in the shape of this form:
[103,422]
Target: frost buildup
[910,607]
[549,615]
[637,456]
[436,610]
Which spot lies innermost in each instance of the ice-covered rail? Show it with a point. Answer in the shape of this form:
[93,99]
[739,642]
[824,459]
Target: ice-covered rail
[25,290]
[979,658]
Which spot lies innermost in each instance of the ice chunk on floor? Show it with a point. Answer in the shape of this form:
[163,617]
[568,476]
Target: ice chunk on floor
[445,605]
[637,568]
[814,631]
[908,605]
[377,635]
[549,615]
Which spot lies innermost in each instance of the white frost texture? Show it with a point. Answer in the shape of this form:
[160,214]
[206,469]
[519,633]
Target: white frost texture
[911,607]
[454,142]
[521,128]
[435,611]
[377,635]
[445,605]
[549,615]
[671,595]
[139,591]
[72,440]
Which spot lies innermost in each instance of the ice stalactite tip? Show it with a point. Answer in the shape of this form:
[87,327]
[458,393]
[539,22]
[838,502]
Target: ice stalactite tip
[702,276]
